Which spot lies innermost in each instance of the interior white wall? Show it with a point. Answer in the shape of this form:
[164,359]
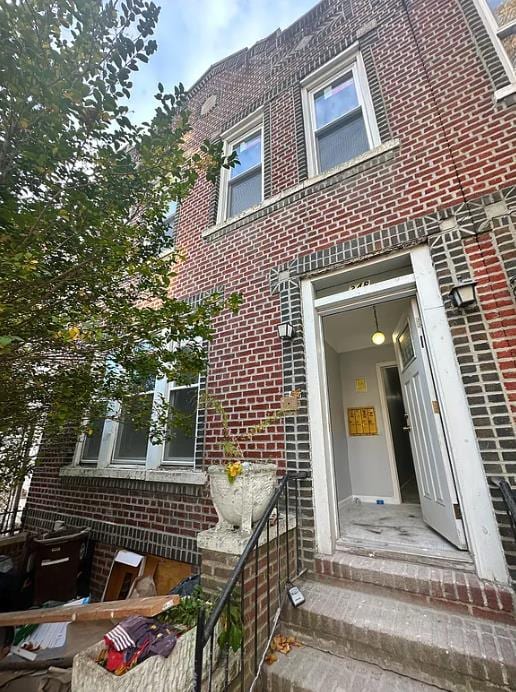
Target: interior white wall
[338,427]
[369,466]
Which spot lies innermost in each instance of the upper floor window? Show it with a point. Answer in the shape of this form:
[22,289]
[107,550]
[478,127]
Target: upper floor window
[122,440]
[170,220]
[500,19]
[242,186]
[339,116]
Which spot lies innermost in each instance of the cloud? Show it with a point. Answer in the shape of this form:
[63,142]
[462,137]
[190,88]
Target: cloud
[194,34]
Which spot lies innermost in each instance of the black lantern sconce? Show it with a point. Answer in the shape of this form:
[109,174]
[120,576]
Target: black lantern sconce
[286,331]
[464,294]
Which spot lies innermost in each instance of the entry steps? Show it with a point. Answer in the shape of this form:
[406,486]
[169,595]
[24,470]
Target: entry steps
[374,624]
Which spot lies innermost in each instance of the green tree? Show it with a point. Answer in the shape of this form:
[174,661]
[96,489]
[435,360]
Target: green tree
[86,264]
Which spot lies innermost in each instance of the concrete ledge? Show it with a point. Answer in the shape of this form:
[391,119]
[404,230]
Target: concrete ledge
[233,541]
[309,182]
[159,475]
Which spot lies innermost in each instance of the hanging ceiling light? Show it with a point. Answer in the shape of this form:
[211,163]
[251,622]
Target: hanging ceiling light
[378,338]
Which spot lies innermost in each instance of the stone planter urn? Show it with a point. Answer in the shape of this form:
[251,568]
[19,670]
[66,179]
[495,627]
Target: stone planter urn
[242,503]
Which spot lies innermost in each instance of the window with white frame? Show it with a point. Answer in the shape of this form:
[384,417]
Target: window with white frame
[339,115]
[500,19]
[242,186]
[170,220]
[119,441]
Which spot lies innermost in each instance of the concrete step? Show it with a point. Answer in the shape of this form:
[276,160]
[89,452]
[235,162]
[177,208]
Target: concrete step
[451,588]
[310,670]
[449,650]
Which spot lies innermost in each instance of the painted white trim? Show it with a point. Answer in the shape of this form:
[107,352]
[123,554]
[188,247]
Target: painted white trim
[349,61]
[471,483]
[371,499]
[391,289]
[323,472]
[252,123]
[387,428]
[345,502]
[494,32]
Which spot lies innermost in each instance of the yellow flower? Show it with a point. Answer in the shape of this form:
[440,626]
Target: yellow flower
[73,333]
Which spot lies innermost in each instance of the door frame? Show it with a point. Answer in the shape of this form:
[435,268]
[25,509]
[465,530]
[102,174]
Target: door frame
[466,464]
[388,430]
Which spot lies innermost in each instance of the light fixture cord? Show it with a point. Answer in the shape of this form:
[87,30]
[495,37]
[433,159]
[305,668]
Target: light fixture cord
[376,318]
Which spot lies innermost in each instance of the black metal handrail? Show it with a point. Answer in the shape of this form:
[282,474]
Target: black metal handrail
[509,500]
[11,522]
[206,630]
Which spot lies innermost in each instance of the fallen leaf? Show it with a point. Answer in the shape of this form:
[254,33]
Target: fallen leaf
[270,659]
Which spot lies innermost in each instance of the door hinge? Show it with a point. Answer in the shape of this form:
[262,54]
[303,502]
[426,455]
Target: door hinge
[458,513]
[436,407]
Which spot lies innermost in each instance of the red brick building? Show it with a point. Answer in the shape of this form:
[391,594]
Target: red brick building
[377,144]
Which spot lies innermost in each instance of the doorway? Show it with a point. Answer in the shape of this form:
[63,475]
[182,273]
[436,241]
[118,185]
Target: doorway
[399,433]
[402,276]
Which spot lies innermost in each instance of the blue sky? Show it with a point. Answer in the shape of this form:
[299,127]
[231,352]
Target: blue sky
[193,34]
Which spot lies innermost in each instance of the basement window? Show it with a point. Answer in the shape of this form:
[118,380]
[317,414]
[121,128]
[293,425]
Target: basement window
[500,20]
[339,116]
[242,186]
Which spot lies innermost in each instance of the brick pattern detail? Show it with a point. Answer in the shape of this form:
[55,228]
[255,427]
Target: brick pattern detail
[485,48]
[301,160]
[267,153]
[375,89]
[268,587]
[449,588]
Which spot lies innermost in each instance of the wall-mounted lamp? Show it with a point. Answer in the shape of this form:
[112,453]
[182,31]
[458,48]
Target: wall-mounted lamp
[286,330]
[464,294]
[378,338]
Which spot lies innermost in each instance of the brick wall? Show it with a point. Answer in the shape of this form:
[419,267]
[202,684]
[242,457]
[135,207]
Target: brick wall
[448,153]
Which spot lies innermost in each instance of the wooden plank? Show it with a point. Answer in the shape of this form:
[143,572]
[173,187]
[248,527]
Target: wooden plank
[94,611]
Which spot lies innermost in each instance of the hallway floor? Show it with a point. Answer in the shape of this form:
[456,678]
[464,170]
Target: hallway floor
[393,526]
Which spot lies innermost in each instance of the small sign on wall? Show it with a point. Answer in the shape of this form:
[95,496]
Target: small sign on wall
[362,421]
[361,384]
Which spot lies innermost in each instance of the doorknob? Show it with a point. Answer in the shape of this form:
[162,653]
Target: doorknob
[407,425]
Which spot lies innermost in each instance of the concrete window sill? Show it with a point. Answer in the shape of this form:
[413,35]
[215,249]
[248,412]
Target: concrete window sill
[160,475]
[309,182]
[506,95]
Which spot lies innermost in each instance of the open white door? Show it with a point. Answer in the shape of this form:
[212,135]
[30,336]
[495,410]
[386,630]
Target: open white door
[437,493]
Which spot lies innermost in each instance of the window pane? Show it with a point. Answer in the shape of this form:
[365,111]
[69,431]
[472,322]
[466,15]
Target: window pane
[182,444]
[504,11]
[335,100]
[91,447]
[131,443]
[249,152]
[342,142]
[244,193]
[509,43]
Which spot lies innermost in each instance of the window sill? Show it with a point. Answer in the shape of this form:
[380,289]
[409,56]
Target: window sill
[309,182]
[159,475]
[506,94]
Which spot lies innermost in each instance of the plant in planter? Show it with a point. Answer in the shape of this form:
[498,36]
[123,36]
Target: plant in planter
[241,489]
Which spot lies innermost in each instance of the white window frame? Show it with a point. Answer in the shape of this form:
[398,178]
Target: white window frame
[349,61]
[495,33]
[253,123]
[155,455]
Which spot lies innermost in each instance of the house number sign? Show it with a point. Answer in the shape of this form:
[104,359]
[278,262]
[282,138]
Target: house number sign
[362,421]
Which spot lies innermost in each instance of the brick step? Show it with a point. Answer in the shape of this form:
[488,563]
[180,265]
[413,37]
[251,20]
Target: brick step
[310,670]
[431,585]
[449,650]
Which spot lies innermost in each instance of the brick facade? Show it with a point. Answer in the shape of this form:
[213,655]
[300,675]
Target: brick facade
[443,175]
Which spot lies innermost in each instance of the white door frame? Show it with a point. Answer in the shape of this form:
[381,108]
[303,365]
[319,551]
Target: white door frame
[474,498]
[396,490]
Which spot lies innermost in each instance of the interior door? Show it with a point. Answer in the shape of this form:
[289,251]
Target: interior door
[437,492]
